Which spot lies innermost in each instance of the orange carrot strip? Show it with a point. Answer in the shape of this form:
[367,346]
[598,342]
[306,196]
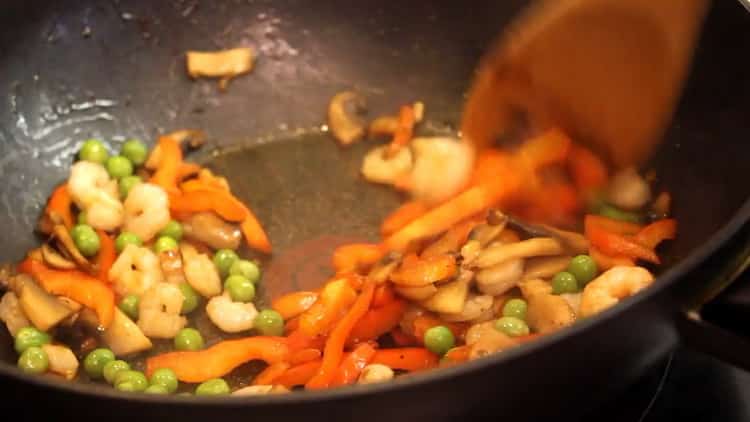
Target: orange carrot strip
[299,374]
[334,349]
[77,285]
[59,203]
[404,130]
[425,271]
[614,244]
[293,304]
[605,262]
[352,365]
[169,166]
[297,340]
[657,232]
[187,170]
[406,359]
[378,321]
[611,225]
[254,234]
[588,171]
[383,296]
[269,375]
[354,256]
[219,359]
[404,215]
[106,256]
[223,203]
[334,300]
[305,355]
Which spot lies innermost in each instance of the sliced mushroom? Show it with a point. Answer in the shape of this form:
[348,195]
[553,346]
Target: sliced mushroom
[545,266]
[54,259]
[628,190]
[475,308]
[41,308]
[574,242]
[469,252]
[62,361]
[225,64]
[12,314]
[450,297]
[483,339]
[497,253]
[123,336]
[210,229]
[547,313]
[346,117]
[486,233]
[260,390]
[416,293]
[66,244]
[500,278]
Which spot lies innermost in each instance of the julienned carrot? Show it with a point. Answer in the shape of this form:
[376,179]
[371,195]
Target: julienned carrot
[605,262]
[404,215]
[187,170]
[551,147]
[210,179]
[425,271]
[355,256]
[299,374]
[406,359]
[588,171]
[223,203]
[352,365]
[334,349]
[305,355]
[611,225]
[219,359]
[384,295]
[378,321]
[657,232]
[167,172]
[297,341]
[268,376]
[614,245]
[106,256]
[293,304]
[59,204]
[404,130]
[334,300]
[254,234]
[77,285]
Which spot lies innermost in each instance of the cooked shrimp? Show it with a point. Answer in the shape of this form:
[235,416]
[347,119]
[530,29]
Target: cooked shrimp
[612,286]
[200,271]
[93,191]
[379,169]
[229,316]
[447,157]
[146,210]
[136,270]
[548,312]
[159,311]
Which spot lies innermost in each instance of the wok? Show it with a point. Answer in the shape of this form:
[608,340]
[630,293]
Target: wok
[85,68]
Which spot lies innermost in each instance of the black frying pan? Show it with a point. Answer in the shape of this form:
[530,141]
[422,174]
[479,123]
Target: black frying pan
[62,63]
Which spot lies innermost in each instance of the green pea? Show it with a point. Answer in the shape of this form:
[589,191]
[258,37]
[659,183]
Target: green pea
[86,239]
[165,377]
[33,360]
[190,298]
[127,183]
[93,150]
[81,217]
[269,323]
[164,244]
[223,259]
[112,368]
[131,381]
[245,268]
[95,361]
[173,229]
[512,326]
[188,339]
[610,211]
[30,337]
[583,268]
[564,282]
[155,389]
[240,289]
[135,151]
[119,167]
[213,387]
[129,305]
[439,339]
[126,238]
[515,308]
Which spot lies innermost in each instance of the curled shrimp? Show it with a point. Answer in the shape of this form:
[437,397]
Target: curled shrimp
[200,271]
[146,210]
[229,316]
[93,191]
[450,158]
[379,169]
[135,271]
[611,287]
[159,311]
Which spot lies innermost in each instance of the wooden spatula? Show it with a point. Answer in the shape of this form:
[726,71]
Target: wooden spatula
[610,72]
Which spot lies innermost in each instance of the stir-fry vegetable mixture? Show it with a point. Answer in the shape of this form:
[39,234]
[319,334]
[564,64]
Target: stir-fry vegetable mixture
[537,237]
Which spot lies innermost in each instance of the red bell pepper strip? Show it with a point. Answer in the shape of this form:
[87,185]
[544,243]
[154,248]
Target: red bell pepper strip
[299,374]
[269,375]
[378,321]
[305,355]
[334,300]
[605,262]
[614,245]
[404,215]
[293,304]
[406,359]
[401,339]
[254,234]
[404,130]
[59,204]
[168,171]
[588,171]
[221,202]
[611,225]
[383,295]
[352,365]
[355,256]
[106,256]
[657,232]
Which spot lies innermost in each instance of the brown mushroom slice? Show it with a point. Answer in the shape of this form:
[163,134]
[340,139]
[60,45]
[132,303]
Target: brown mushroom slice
[534,287]
[62,361]
[171,266]
[451,296]
[41,308]
[497,253]
[475,308]
[346,117]
[12,314]
[500,278]
[628,190]
[469,252]
[547,313]
[416,293]
[572,241]
[486,233]
[545,266]
[211,230]
[66,243]
[483,339]
[55,260]
[224,64]
[124,337]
